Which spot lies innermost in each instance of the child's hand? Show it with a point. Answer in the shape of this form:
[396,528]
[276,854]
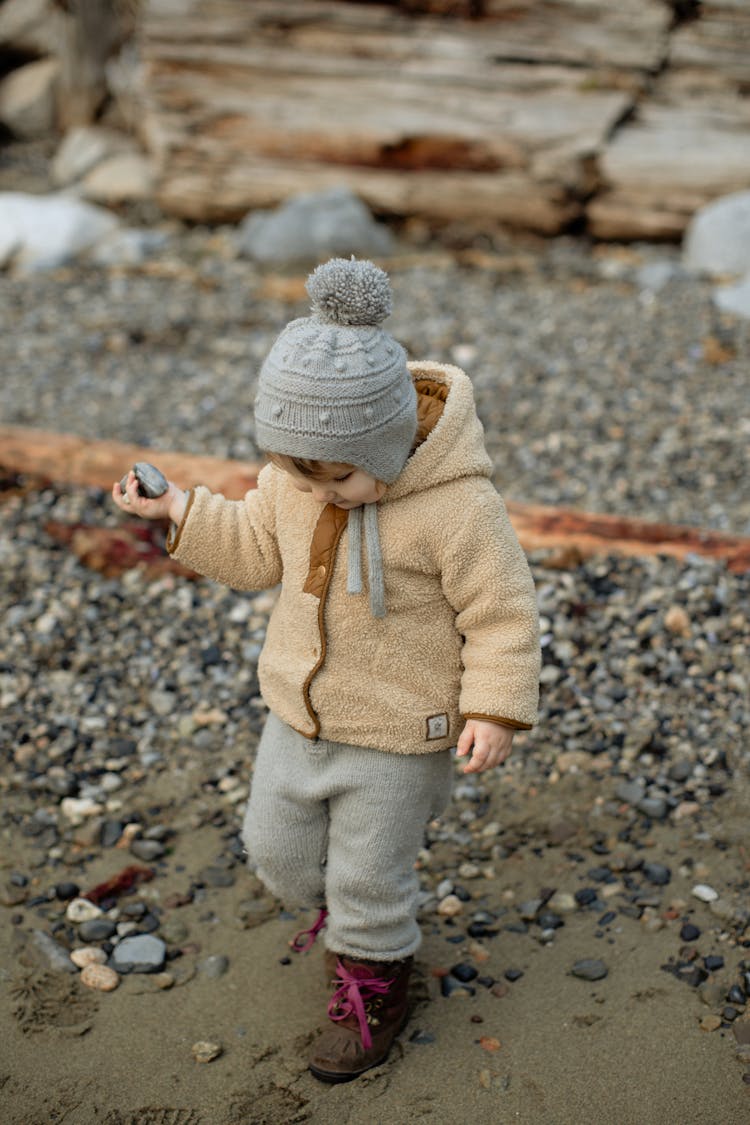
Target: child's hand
[170,505]
[490,743]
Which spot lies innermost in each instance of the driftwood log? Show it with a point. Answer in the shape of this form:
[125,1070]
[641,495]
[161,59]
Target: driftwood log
[494,120]
[534,114]
[568,535]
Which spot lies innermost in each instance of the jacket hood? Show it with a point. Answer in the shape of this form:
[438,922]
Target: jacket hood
[455,446]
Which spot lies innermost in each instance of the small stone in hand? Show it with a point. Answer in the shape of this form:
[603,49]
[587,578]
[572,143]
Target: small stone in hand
[151,482]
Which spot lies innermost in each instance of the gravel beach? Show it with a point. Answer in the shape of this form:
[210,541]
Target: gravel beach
[586,910]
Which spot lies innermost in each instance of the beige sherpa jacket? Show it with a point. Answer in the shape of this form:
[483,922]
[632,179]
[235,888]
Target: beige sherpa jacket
[460,636]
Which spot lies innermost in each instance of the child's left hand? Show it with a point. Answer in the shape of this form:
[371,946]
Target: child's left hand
[491,744]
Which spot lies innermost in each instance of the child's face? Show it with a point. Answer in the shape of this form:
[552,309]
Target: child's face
[339,484]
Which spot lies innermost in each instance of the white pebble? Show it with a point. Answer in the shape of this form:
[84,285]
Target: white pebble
[81,910]
[704,892]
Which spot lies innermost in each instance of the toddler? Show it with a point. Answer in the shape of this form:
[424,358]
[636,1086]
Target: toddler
[406,625]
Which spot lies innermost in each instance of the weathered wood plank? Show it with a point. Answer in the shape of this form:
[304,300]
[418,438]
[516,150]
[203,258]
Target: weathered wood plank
[71,459]
[669,162]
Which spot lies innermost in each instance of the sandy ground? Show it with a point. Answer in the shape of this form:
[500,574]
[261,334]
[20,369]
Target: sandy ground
[554,1049]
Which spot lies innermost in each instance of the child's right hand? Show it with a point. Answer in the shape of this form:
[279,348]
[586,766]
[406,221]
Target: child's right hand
[170,505]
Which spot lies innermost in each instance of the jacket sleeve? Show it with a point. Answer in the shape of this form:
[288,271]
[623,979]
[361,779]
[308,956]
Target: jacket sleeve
[487,581]
[231,541]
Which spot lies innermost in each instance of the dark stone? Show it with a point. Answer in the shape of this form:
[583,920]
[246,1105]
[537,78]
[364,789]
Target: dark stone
[729,1013]
[585,896]
[548,920]
[689,932]
[736,995]
[608,918]
[486,982]
[285,960]
[211,655]
[479,930]
[148,924]
[657,873]
[110,833]
[422,1038]
[20,880]
[513,974]
[462,894]
[455,939]
[464,972]
[134,910]
[97,929]
[67,891]
[449,985]
[600,874]
[590,969]
[713,962]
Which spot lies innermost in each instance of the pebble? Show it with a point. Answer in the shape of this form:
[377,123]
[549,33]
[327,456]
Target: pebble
[590,969]
[450,906]
[56,957]
[99,977]
[88,955]
[98,929]
[214,966]
[142,953]
[206,1052]
[705,893]
[657,873]
[81,910]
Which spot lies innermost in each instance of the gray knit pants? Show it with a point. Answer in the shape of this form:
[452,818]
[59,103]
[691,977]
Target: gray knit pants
[328,823]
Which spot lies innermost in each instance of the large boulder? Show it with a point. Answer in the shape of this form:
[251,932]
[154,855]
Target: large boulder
[313,227]
[717,241]
[46,231]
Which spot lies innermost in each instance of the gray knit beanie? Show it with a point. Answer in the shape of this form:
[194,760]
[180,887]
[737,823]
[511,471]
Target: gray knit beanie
[335,386]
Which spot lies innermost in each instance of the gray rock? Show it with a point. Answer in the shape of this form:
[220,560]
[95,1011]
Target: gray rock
[734,299]
[147,850]
[96,929]
[717,240]
[311,228]
[630,791]
[40,232]
[141,953]
[56,957]
[589,969]
[655,807]
[214,966]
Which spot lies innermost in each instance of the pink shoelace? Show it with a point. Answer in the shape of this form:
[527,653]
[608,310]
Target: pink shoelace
[351,995]
[305,939]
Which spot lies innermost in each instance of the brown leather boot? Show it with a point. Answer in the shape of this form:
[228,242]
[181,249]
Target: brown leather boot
[367,1010]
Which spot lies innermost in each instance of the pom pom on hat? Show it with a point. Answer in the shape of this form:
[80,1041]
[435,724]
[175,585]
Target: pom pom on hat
[349,292]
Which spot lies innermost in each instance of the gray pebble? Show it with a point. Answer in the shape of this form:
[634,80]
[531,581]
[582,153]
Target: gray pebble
[141,953]
[214,966]
[588,969]
[56,957]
